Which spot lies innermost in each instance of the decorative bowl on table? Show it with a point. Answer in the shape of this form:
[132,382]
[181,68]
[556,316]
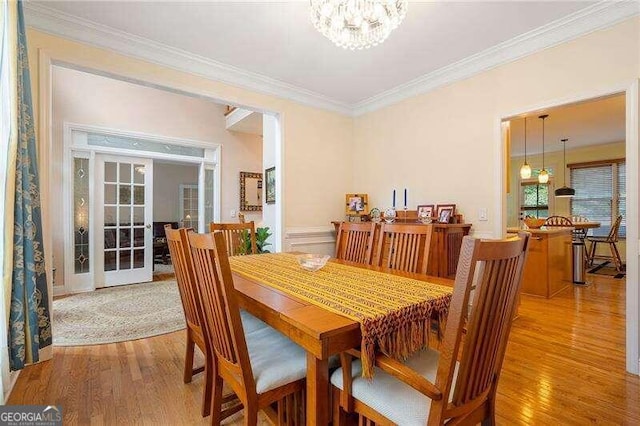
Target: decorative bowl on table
[313,262]
[534,222]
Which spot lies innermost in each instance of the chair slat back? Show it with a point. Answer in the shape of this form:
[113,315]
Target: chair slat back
[185,274]
[558,221]
[404,247]
[613,233]
[221,314]
[500,264]
[355,242]
[234,234]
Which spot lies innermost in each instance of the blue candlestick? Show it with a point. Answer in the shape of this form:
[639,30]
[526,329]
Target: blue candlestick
[405,198]
[394,198]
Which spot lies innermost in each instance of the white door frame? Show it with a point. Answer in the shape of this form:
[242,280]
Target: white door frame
[75,142]
[632,92]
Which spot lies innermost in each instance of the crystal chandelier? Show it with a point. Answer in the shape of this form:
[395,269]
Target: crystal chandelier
[357,24]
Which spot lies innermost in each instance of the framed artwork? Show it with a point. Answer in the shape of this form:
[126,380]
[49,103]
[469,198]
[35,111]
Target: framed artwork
[270,187]
[250,192]
[445,212]
[357,204]
[427,209]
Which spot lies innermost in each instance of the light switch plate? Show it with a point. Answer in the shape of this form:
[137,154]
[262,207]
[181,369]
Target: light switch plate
[233,213]
[482,214]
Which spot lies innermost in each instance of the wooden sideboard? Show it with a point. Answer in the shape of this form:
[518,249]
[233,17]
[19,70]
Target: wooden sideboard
[445,247]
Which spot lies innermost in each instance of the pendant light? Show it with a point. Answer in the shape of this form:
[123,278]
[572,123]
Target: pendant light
[525,170]
[565,191]
[543,177]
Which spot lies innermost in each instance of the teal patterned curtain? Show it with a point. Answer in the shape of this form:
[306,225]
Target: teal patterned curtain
[29,318]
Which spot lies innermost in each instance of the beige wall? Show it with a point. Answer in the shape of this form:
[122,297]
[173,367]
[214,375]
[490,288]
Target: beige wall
[88,99]
[167,179]
[317,148]
[443,145]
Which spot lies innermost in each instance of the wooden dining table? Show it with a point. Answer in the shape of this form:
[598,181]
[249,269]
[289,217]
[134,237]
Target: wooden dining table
[321,332]
[586,225]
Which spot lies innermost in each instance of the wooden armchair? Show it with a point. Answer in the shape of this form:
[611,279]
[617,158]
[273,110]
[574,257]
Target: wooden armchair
[234,236]
[611,241]
[404,247]
[457,392]
[262,367]
[354,242]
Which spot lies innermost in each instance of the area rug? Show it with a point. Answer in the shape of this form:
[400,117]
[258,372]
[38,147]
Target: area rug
[606,269]
[117,314]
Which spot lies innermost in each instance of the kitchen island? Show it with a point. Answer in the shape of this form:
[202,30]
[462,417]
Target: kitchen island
[547,270]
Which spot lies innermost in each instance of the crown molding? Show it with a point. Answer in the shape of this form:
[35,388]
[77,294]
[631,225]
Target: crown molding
[595,17]
[58,23]
[592,18]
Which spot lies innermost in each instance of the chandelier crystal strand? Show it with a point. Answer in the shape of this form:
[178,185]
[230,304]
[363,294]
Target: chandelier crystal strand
[357,24]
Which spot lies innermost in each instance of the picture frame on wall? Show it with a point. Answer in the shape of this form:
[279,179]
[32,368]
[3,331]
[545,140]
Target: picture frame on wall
[270,186]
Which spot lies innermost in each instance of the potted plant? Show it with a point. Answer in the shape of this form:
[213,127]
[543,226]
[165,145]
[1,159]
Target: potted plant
[262,234]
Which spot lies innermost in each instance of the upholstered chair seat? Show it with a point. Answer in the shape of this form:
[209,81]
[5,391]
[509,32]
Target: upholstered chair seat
[251,323]
[393,398]
[275,359]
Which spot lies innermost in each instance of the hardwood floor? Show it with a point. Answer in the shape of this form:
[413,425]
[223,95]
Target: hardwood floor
[564,365]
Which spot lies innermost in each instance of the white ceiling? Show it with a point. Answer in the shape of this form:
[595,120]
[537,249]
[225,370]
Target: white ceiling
[594,122]
[276,39]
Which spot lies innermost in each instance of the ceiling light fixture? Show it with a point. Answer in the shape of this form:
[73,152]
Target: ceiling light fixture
[565,191]
[357,24]
[543,176]
[525,170]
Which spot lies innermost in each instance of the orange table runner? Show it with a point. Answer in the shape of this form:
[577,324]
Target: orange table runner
[394,312]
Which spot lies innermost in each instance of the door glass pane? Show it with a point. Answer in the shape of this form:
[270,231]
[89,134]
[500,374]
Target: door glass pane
[138,237]
[109,194]
[125,194]
[125,259]
[208,196]
[81,215]
[110,216]
[109,238]
[110,261]
[138,194]
[138,259]
[138,173]
[138,215]
[125,173]
[110,172]
[125,216]
[125,237]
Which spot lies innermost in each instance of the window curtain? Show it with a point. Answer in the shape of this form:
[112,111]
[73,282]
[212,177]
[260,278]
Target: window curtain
[29,314]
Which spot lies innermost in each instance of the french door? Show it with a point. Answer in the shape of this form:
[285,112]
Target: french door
[124,214]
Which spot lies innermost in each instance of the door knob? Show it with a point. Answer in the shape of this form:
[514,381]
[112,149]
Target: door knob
[149,226]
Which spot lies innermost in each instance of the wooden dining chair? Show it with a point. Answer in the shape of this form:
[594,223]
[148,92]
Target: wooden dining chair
[183,268]
[456,385]
[235,235]
[404,247]
[263,367]
[558,221]
[354,242]
[178,243]
[611,241]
